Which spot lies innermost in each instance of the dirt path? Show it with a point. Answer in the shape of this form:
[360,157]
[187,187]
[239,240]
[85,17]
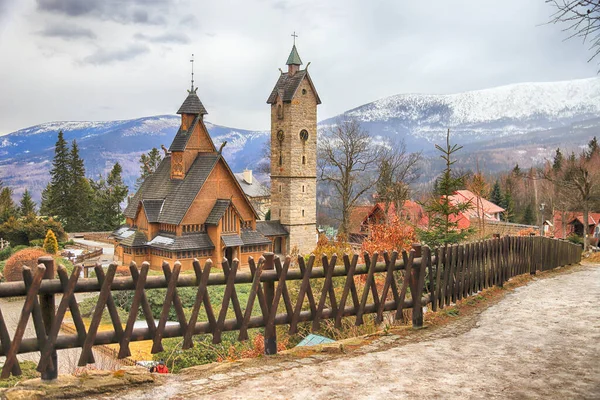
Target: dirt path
[540,341]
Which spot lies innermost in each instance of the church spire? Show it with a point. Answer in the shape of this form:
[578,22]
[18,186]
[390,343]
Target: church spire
[294,62]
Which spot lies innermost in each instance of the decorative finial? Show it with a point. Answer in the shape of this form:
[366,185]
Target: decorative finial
[222,145]
[294,36]
[192,61]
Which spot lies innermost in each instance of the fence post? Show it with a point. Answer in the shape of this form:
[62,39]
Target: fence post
[269,290]
[416,288]
[47,305]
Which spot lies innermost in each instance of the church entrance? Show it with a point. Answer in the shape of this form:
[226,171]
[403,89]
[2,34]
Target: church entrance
[277,246]
[229,255]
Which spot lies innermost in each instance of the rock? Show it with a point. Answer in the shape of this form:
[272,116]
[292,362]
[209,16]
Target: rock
[24,394]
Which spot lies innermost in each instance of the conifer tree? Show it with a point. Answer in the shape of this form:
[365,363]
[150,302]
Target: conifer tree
[593,148]
[55,199]
[558,160]
[528,217]
[79,194]
[107,198]
[509,207]
[443,226]
[7,205]
[50,242]
[27,205]
[148,164]
[496,194]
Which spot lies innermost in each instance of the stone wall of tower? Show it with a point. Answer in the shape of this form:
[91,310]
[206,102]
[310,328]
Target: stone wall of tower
[293,183]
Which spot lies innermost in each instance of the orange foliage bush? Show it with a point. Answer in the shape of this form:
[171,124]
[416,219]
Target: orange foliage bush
[526,232]
[394,234]
[339,246]
[13,270]
[257,349]
[122,270]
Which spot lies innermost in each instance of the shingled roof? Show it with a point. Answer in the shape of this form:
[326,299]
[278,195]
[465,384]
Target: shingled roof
[294,57]
[177,194]
[192,105]
[271,228]
[152,209]
[250,237]
[138,239]
[182,136]
[217,212]
[193,241]
[288,85]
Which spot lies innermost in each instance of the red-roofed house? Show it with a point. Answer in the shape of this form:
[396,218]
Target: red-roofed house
[573,223]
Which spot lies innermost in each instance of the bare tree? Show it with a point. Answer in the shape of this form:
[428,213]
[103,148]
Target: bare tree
[582,18]
[347,160]
[397,170]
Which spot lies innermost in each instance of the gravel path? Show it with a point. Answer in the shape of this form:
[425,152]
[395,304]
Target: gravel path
[540,341]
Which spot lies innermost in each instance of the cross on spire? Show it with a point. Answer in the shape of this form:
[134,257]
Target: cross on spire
[294,36]
[192,61]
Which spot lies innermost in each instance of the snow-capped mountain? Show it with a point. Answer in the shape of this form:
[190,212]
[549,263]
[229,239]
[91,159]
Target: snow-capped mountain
[26,155]
[515,109]
[498,127]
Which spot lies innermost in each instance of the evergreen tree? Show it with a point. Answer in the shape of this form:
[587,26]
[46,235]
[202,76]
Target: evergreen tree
[558,160]
[7,205]
[496,194]
[107,198]
[55,199]
[79,194]
[508,205]
[50,243]
[443,226]
[517,170]
[27,205]
[528,216]
[148,164]
[593,148]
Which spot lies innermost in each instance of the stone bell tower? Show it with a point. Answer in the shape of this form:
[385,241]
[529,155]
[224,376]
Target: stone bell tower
[294,103]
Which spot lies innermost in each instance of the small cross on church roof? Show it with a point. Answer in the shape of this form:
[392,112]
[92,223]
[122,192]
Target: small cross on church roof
[294,58]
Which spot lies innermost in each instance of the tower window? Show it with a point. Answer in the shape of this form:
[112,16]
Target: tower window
[280,159]
[303,212]
[279,213]
[302,188]
[303,91]
[304,135]
[303,160]
[280,188]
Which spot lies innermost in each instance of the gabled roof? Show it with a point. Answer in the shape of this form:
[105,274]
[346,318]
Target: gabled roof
[152,209]
[294,57]
[217,212]
[271,228]
[254,189]
[177,194]
[192,105]
[288,85]
[250,237]
[231,240]
[183,136]
[466,196]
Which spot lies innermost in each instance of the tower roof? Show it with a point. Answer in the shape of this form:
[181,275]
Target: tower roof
[192,105]
[294,58]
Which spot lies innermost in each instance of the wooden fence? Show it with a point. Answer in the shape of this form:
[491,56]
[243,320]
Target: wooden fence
[439,277]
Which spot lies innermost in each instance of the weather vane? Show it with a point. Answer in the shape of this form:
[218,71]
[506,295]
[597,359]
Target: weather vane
[192,61]
[294,36]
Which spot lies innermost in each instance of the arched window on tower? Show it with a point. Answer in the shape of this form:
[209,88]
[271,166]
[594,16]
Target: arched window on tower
[280,159]
[303,160]
[302,188]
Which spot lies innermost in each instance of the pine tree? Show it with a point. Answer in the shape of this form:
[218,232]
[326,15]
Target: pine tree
[558,160]
[7,205]
[55,199]
[517,170]
[496,194]
[528,217]
[27,205]
[443,226]
[107,198]
[148,164]
[79,195]
[50,242]
[508,205]
[593,148]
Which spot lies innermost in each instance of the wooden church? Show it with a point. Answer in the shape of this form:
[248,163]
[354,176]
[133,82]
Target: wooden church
[193,206]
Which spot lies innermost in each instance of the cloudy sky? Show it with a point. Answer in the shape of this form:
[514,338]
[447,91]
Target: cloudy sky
[120,59]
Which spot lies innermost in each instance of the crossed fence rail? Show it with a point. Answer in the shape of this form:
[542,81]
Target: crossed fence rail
[437,277]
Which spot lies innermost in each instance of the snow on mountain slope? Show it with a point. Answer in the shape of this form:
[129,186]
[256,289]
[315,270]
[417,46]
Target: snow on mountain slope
[477,115]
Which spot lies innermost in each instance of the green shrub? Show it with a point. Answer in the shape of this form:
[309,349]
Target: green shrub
[28,368]
[5,253]
[573,238]
[19,248]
